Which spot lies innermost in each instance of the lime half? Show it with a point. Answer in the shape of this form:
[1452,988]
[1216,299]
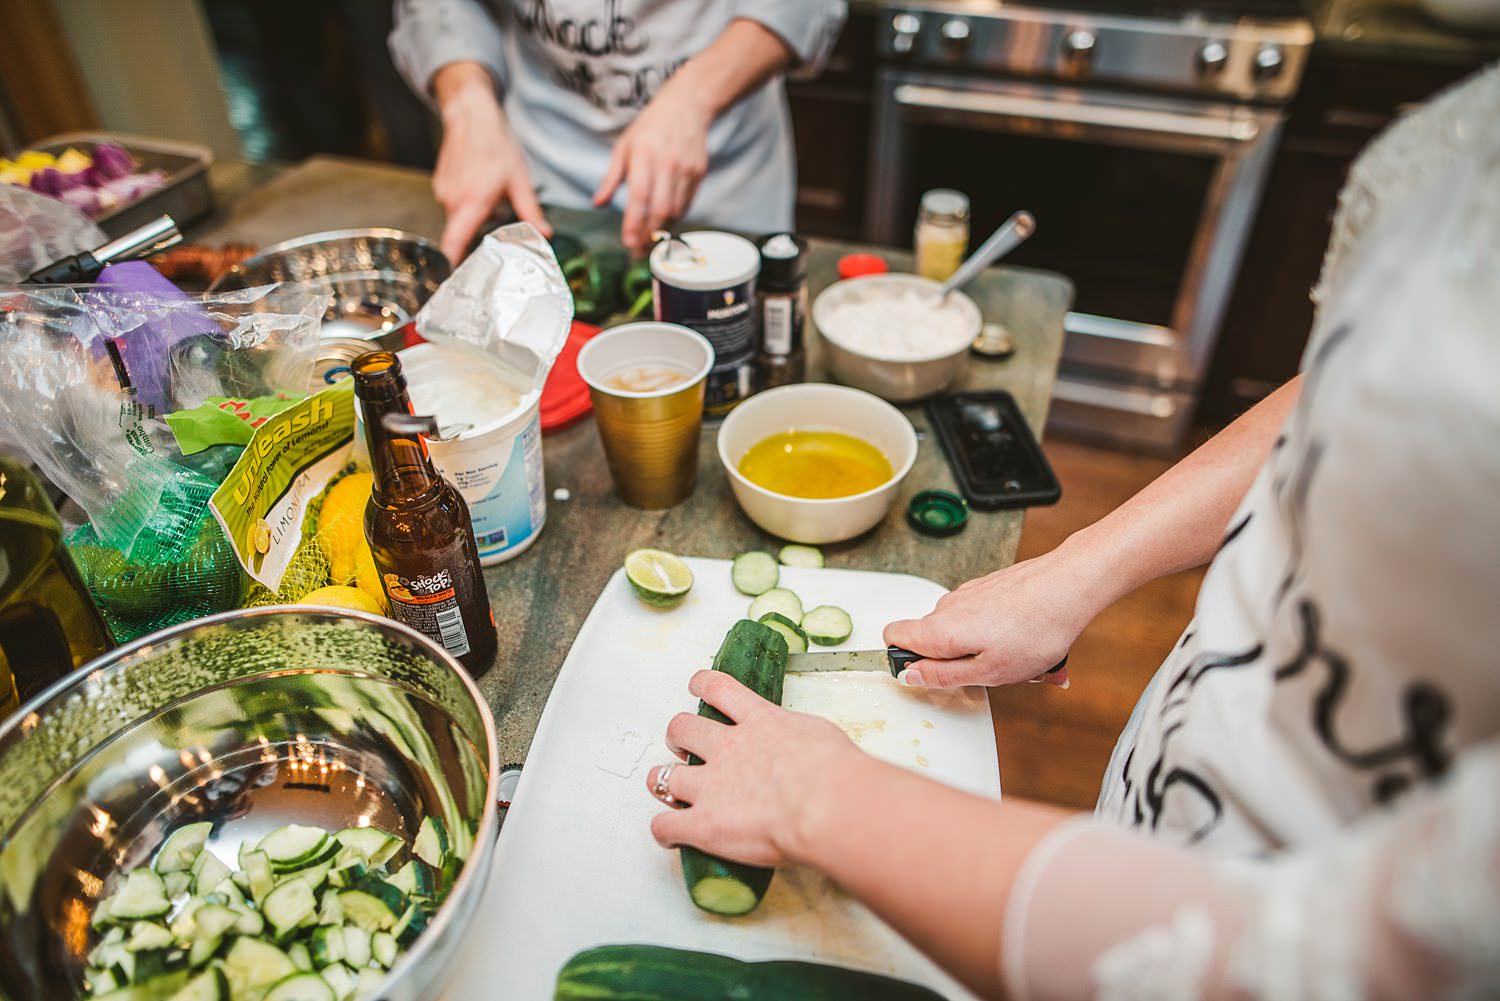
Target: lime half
[659,578]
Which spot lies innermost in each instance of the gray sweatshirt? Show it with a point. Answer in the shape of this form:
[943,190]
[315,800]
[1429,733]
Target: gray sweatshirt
[573,73]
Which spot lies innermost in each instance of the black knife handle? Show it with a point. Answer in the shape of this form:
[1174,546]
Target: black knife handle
[902,658]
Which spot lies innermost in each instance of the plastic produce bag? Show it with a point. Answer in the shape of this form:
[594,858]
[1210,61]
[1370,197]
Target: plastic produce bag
[88,376]
[36,230]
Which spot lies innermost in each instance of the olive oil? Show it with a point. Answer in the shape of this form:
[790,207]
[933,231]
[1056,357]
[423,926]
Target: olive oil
[48,622]
[815,465]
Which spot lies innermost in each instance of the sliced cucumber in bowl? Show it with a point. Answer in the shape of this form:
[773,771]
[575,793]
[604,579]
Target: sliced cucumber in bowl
[306,915]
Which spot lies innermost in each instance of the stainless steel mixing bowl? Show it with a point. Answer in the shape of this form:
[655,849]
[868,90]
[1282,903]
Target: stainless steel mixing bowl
[251,719]
[379,278]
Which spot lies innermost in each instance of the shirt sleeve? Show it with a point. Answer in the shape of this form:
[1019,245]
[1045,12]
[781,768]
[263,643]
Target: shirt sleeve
[430,34]
[810,28]
[1403,905]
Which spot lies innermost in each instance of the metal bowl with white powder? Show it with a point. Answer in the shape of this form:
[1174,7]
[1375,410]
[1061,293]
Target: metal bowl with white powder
[891,335]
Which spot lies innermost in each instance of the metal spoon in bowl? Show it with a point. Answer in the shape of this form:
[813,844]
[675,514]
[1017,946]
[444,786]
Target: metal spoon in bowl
[1011,234]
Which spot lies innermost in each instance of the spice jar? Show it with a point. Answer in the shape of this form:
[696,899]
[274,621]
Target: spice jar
[781,292]
[942,236]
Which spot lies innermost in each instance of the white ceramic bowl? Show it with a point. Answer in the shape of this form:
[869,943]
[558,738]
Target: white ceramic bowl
[816,407]
[897,379]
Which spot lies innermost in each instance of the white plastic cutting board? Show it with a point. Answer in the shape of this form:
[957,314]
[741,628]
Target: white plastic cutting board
[576,865]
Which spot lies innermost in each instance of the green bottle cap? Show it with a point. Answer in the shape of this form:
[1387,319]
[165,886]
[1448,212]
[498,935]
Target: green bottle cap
[937,513]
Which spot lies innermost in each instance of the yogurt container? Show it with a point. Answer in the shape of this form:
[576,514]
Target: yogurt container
[490,442]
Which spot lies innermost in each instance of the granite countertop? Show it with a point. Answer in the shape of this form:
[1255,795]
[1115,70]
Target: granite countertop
[541,597]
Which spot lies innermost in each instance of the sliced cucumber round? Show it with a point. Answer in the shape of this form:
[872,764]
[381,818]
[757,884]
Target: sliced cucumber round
[796,639]
[778,599]
[141,895]
[301,987]
[754,573]
[828,625]
[801,556]
[293,845]
[181,848]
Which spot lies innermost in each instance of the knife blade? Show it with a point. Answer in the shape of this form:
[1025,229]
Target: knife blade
[894,659]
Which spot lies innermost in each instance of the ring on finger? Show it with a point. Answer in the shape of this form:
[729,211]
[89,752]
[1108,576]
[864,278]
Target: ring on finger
[661,790]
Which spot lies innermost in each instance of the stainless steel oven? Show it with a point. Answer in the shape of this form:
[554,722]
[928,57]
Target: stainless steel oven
[1144,189]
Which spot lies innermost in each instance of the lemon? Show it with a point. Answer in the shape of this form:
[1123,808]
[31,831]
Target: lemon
[342,596]
[341,526]
[659,578]
[366,577]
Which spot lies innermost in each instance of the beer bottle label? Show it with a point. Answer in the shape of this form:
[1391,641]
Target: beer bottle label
[430,606]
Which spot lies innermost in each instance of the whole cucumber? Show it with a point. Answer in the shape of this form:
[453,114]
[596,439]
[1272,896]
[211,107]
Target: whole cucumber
[659,973]
[754,655]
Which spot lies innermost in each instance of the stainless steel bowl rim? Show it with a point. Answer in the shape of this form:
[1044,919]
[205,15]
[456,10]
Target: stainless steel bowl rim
[12,730]
[330,236]
[885,278]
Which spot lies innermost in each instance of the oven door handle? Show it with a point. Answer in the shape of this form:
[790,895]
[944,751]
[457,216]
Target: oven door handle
[1155,121]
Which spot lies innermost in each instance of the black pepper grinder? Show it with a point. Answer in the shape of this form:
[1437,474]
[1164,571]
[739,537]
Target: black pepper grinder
[781,292]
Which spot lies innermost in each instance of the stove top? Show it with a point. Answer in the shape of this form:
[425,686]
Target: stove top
[1251,50]
[1215,10]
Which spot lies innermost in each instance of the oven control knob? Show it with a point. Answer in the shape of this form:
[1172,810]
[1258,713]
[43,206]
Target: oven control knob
[1212,58]
[1269,62]
[904,31]
[955,34]
[1078,49]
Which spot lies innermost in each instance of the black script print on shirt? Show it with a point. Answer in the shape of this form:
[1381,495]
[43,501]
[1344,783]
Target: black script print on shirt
[1416,754]
[589,53]
[1149,801]
[612,33]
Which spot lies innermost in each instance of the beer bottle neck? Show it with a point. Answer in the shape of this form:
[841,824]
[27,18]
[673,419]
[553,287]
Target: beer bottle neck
[399,459]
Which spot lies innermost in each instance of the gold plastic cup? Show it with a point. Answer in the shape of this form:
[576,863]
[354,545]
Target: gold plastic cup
[650,436]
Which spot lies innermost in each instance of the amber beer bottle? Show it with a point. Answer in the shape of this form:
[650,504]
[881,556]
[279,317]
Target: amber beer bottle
[418,524]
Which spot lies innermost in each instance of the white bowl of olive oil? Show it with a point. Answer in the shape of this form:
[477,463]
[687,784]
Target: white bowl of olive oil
[816,463]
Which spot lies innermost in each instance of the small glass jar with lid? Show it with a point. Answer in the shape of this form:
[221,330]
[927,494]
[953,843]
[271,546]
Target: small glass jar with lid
[942,236]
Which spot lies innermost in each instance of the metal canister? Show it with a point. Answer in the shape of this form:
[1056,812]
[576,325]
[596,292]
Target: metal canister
[705,280]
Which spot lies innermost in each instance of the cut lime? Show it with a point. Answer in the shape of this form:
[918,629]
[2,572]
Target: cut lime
[659,578]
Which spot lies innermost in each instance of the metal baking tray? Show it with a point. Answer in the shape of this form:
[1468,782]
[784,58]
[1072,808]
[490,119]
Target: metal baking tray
[186,196]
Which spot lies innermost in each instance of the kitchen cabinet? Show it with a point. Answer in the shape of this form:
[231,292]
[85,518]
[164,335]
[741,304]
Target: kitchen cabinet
[1349,94]
[831,125]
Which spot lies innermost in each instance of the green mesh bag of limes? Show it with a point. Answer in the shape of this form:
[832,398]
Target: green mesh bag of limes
[181,567]
[178,566]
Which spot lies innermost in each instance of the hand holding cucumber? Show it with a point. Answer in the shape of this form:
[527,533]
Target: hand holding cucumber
[1009,626]
[759,781]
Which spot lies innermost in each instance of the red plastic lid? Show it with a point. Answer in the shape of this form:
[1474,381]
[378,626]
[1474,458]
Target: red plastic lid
[565,397]
[854,265]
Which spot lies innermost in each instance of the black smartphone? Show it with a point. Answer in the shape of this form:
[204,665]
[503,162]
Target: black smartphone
[993,454]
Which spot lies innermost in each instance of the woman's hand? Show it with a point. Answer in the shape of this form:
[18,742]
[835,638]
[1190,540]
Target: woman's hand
[763,781]
[1012,625]
[660,158]
[479,164]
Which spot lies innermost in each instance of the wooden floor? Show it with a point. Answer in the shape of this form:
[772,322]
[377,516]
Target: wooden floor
[1054,744]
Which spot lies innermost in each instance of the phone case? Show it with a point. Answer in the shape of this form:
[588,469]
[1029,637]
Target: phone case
[993,454]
